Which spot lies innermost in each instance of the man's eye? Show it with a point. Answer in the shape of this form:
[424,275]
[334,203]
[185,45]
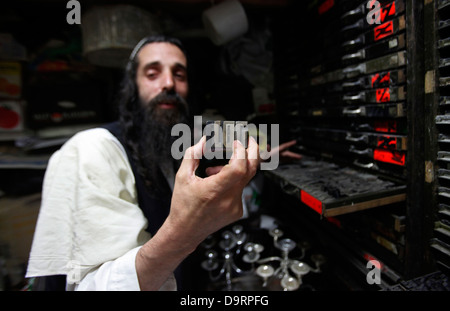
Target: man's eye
[152,74]
[180,75]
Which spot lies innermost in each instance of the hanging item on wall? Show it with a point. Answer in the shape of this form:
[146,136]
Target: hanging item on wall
[110,33]
[225,22]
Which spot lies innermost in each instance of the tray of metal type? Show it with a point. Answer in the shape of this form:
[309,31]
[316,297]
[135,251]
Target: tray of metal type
[332,190]
[397,127]
[380,95]
[380,126]
[390,156]
[386,62]
[437,281]
[377,33]
[357,151]
[389,9]
[379,80]
[340,153]
[357,97]
[372,140]
[386,46]
[383,63]
[366,111]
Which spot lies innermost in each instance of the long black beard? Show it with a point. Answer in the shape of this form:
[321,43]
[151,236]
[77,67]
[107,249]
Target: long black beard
[155,139]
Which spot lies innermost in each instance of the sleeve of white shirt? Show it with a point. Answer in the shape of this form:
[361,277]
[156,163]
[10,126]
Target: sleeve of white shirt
[116,275]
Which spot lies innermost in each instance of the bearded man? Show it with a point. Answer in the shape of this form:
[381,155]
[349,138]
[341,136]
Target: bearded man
[114,215]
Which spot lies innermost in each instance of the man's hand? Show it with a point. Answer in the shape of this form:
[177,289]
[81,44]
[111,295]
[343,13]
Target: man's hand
[200,207]
[204,205]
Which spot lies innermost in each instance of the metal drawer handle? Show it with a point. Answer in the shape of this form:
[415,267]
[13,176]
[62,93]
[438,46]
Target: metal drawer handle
[358,25]
[368,165]
[357,11]
[353,71]
[360,96]
[361,138]
[367,151]
[359,40]
[358,55]
[350,111]
[359,82]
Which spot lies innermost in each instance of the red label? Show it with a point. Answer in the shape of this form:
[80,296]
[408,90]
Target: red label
[390,156]
[385,126]
[375,79]
[326,6]
[383,95]
[381,79]
[311,201]
[387,142]
[387,10]
[386,78]
[383,31]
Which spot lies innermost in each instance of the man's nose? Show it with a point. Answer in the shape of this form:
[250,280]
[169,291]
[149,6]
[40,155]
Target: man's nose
[168,82]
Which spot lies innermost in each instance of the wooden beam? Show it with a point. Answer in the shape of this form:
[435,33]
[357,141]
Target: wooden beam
[364,205]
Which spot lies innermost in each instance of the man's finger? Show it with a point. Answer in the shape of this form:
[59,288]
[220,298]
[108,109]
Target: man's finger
[236,168]
[192,157]
[253,153]
[239,152]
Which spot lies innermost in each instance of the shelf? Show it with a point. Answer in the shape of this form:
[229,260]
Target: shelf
[24,162]
[332,190]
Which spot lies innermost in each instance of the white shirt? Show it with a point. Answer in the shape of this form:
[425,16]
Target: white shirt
[90,226]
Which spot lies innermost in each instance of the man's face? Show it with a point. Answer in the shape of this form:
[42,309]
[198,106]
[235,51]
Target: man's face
[162,68]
